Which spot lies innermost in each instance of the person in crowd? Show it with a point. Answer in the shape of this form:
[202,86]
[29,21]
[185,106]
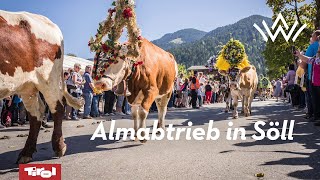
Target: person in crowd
[179,83]
[185,92]
[171,101]
[315,83]
[75,84]
[153,107]
[278,89]
[67,108]
[120,101]
[216,89]
[1,107]
[7,111]
[194,86]
[87,92]
[285,94]
[202,78]
[47,114]
[109,100]
[201,94]
[20,113]
[126,107]
[311,52]
[95,104]
[290,78]
[208,89]
[300,83]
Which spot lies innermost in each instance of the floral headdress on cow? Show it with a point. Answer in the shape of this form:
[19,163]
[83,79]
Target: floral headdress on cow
[111,51]
[232,55]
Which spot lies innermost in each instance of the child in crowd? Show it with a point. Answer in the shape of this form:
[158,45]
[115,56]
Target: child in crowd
[208,90]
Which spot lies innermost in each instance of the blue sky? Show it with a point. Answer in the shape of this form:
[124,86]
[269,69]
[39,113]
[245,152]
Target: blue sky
[78,19]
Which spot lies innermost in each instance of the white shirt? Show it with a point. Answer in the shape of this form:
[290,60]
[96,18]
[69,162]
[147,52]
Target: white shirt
[178,84]
[202,80]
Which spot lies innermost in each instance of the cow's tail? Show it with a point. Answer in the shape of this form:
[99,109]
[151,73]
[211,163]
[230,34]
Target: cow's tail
[71,101]
[175,68]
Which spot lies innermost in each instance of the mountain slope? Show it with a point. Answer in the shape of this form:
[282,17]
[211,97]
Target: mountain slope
[184,36]
[198,52]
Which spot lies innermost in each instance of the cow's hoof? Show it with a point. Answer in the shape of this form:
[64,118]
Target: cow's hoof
[61,153]
[24,160]
[235,117]
[136,139]
[143,141]
[159,132]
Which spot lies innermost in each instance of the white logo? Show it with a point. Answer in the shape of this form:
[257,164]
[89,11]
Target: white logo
[33,171]
[280,29]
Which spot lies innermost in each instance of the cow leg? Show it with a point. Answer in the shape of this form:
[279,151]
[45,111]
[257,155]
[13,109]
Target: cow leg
[57,109]
[135,117]
[35,110]
[242,103]
[251,100]
[246,106]
[235,106]
[143,114]
[228,102]
[162,104]
[58,145]
[227,106]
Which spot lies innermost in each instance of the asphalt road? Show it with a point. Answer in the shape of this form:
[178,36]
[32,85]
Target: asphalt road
[183,159]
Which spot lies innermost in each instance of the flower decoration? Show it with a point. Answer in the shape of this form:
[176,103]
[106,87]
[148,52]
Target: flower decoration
[127,13]
[232,55]
[111,51]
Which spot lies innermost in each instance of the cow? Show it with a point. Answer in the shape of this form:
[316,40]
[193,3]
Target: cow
[151,81]
[243,84]
[31,61]
[264,88]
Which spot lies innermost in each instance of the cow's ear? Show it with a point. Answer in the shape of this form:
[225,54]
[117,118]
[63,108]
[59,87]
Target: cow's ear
[245,70]
[223,72]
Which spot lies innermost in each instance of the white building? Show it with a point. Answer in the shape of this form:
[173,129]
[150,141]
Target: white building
[69,62]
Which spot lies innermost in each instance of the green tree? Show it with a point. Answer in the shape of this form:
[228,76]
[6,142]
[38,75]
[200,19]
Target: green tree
[71,54]
[182,70]
[278,54]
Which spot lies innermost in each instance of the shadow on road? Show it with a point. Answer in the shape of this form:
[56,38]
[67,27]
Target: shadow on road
[75,145]
[305,133]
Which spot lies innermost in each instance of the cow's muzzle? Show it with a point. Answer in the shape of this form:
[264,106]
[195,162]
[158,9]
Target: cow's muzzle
[234,86]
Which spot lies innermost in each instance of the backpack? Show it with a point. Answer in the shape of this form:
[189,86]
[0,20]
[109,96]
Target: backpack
[6,118]
[316,72]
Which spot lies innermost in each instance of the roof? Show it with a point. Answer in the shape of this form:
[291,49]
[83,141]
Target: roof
[197,68]
[69,62]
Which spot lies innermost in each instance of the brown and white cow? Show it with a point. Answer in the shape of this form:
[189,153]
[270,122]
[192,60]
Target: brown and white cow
[151,81]
[243,84]
[31,61]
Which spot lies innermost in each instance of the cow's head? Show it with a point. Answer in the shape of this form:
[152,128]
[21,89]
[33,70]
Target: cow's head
[113,75]
[234,75]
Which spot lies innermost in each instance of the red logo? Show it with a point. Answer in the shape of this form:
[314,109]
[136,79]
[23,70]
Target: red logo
[40,171]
